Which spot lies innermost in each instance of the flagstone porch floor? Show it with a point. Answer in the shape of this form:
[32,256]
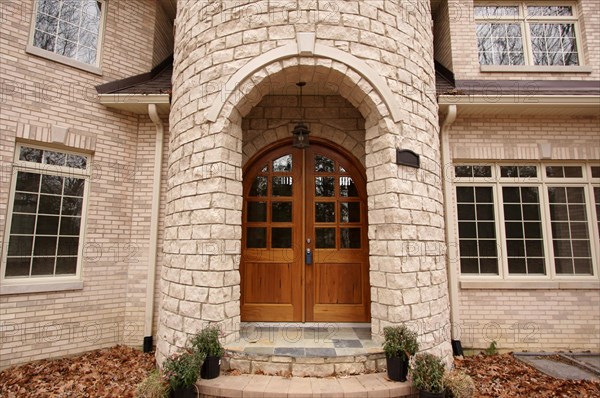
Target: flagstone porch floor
[314,350]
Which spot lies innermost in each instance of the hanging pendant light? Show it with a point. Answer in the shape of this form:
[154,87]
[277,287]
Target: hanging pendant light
[300,131]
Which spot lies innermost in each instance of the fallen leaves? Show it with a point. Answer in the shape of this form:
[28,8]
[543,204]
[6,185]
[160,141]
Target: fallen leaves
[503,376]
[108,373]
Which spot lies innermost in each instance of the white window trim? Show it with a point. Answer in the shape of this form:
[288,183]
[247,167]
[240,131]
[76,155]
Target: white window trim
[523,20]
[49,283]
[40,52]
[551,279]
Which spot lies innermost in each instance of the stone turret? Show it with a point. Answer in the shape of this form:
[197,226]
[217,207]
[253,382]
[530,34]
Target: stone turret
[377,55]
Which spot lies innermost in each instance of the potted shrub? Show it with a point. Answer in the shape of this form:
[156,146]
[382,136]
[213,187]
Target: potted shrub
[458,384]
[207,342]
[181,372]
[428,375]
[400,344]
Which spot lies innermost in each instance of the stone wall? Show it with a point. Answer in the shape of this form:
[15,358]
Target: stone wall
[387,41]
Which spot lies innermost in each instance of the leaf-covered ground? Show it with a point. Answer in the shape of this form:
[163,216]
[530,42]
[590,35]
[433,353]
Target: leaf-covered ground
[503,376]
[115,372]
[109,373]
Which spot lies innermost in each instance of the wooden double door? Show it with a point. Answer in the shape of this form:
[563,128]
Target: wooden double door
[304,239]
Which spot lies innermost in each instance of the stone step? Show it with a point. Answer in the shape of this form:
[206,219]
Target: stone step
[361,362]
[252,385]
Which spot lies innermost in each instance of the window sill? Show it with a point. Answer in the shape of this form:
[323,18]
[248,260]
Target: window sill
[532,285]
[535,69]
[6,289]
[63,60]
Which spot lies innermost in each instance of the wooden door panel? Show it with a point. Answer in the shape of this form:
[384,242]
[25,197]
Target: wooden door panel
[268,283]
[338,283]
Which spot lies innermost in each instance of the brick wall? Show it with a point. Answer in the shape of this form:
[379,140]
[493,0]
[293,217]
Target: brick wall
[527,319]
[38,92]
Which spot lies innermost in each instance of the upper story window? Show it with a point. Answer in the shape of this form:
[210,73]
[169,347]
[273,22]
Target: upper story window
[68,31]
[46,216]
[528,220]
[528,34]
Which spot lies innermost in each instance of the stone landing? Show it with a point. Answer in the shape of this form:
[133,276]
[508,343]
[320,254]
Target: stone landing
[322,350]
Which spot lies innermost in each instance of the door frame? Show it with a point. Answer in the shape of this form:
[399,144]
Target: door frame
[251,163]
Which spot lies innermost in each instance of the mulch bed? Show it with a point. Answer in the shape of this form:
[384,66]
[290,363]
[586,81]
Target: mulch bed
[501,376]
[115,372]
[109,373]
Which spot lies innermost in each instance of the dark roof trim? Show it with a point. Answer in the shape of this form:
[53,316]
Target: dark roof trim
[444,72]
[132,81]
[528,87]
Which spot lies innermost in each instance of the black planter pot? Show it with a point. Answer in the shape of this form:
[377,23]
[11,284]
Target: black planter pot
[397,368]
[425,394]
[184,392]
[211,368]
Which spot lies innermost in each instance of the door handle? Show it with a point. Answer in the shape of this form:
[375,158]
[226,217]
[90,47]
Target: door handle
[308,257]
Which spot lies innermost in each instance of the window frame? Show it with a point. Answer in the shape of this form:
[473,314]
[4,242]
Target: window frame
[62,59]
[524,20]
[542,183]
[45,283]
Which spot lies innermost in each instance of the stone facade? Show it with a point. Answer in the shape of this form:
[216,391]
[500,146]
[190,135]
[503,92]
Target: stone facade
[406,285]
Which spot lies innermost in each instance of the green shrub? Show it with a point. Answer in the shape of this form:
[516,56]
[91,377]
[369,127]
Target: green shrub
[207,342]
[182,369]
[400,341]
[428,373]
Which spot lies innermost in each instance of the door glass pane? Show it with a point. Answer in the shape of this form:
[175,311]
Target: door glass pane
[350,238]
[350,212]
[324,186]
[281,211]
[256,238]
[259,186]
[282,186]
[283,164]
[323,164]
[281,238]
[257,212]
[325,212]
[347,187]
[325,238]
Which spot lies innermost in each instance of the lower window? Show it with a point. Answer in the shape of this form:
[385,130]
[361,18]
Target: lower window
[46,215]
[528,220]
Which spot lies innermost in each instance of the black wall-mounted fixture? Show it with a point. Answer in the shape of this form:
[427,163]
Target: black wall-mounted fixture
[408,158]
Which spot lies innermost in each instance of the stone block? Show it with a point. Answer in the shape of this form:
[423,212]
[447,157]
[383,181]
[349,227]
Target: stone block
[312,370]
[349,368]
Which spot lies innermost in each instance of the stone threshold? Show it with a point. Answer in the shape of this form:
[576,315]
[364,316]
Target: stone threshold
[253,385]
